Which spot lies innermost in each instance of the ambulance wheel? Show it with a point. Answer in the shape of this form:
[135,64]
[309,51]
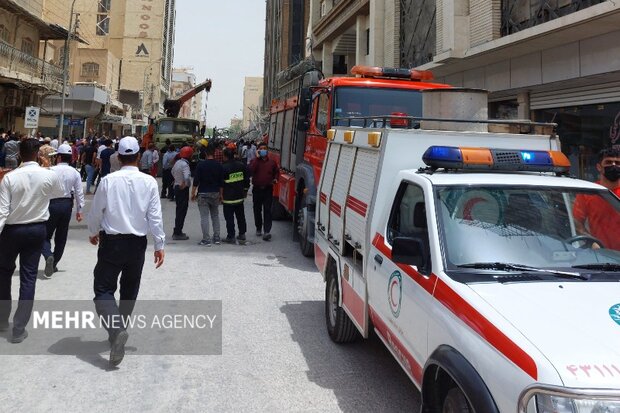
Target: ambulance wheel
[339,325]
[455,402]
[303,228]
[278,213]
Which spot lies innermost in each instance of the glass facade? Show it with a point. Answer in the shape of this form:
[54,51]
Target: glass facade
[584,131]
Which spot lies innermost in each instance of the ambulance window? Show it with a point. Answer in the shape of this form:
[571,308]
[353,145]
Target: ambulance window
[322,112]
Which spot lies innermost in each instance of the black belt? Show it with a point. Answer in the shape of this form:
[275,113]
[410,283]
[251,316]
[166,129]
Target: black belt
[102,234]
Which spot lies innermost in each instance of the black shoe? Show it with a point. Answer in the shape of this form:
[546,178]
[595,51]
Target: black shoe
[16,339]
[49,267]
[4,326]
[267,237]
[117,352]
[55,268]
[217,241]
[180,237]
[259,233]
[229,240]
[241,239]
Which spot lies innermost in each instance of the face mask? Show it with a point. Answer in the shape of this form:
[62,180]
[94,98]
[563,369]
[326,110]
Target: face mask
[262,153]
[612,173]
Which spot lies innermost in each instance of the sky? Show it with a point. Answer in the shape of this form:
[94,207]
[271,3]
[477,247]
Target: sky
[223,40]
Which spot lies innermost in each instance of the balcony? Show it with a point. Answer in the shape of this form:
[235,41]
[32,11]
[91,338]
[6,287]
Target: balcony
[24,68]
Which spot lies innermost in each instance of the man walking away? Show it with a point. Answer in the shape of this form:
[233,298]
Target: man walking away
[126,208]
[146,161]
[115,163]
[88,160]
[106,154]
[182,181]
[207,189]
[167,190]
[60,209]
[265,173]
[11,152]
[25,195]
[234,191]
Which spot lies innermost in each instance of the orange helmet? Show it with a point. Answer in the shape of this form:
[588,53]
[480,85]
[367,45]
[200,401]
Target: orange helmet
[186,152]
[232,146]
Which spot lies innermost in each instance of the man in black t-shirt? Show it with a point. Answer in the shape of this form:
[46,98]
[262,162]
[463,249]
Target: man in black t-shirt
[105,157]
[88,160]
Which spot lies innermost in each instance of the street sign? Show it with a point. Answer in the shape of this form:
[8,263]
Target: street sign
[76,122]
[31,118]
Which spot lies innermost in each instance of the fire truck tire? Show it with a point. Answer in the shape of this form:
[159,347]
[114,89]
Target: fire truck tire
[278,212]
[455,402]
[339,326]
[303,224]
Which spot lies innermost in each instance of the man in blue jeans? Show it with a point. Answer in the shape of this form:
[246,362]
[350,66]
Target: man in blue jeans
[25,195]
[89,154]
[207,190]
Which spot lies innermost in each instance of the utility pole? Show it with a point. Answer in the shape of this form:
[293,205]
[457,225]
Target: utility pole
[65,72]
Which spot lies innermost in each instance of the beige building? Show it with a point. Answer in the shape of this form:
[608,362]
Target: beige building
[252,101]
[184,79]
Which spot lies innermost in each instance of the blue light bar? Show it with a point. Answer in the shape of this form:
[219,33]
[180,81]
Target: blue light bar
[443,157]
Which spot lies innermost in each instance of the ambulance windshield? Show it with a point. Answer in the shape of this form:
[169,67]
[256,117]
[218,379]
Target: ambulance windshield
[359,102]
[540,227]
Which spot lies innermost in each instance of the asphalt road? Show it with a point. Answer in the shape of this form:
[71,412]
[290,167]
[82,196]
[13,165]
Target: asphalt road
[276,353]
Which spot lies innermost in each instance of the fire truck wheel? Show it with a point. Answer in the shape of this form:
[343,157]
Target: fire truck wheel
[278,213]
[455,402]
[303,227]
[339,325]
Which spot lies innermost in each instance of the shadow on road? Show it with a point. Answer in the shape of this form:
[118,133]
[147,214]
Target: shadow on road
[363,375]
[87,351]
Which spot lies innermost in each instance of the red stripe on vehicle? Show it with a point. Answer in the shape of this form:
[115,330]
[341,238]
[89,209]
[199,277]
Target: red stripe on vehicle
[353,302]
[466,313]
[319,258]
[335,207]
[410,364]
[358,206]
[323,198]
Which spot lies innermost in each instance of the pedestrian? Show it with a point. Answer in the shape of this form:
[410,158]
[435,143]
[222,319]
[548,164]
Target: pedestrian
[234,191]
[155,165]
[46,150]
[251,152]
[182,182]
[54,143]
[115,162]
[125,208]
[105,156]
[595,216]
[265,173]
[61,208]
[25,195]
[207,191]
[167,181]
[88,160]
[146,161]
[11,152]
[219,152]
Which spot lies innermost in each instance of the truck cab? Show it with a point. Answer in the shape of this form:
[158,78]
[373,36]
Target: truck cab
[178,130]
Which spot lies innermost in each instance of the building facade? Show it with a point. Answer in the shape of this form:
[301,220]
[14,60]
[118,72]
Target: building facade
[252,101]
[184,79]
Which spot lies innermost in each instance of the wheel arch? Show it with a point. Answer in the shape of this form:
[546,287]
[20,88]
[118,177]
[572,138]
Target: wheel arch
[305,174]
[447,366]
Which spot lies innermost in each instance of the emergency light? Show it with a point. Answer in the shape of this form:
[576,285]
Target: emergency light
[390,72]
[452,157]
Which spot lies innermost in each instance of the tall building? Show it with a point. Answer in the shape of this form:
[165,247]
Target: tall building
[285,39]
[127,55]
[184,79]
[252,101]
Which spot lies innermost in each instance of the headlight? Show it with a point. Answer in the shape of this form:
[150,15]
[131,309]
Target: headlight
[555,404]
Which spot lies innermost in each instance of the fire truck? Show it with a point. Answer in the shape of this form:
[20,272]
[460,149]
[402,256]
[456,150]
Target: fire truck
[457,243]
[308,106]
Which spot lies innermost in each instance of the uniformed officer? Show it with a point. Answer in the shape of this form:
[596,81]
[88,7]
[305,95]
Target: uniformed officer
[125,208]
[25,194]
[61,209]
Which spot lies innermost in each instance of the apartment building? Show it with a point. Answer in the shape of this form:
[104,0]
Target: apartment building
[252,101]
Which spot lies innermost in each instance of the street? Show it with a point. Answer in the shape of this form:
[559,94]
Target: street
[276,356]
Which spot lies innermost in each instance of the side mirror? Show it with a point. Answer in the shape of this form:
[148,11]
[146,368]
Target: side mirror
[410,251]
[305,103]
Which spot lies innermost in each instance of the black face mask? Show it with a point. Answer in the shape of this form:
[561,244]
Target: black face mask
[612,173]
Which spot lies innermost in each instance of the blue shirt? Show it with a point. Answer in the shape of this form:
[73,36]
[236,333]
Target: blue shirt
[209,176]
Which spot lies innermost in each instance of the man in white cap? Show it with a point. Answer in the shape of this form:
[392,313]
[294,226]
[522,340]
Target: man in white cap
[126,207]
[61,209]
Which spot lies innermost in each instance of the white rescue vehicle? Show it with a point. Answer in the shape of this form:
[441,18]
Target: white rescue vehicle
[459,248]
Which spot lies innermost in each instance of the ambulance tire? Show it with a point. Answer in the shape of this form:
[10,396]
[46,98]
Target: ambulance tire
[278,212]
[339,326]
[455,402]
[307,247]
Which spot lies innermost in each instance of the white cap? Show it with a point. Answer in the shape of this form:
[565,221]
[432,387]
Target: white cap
[64,149]
[128,146]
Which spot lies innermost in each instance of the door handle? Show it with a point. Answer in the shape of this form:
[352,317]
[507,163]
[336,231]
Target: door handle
[378,259]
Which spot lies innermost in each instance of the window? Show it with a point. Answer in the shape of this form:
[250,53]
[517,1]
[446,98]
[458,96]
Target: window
[5,35]
[322,116]
[408,218]
[90,69]
[103,18]
[28,46]
[367,42]
[323,8]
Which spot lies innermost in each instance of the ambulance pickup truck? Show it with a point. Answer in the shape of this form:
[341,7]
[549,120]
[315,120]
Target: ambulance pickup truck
[460,250]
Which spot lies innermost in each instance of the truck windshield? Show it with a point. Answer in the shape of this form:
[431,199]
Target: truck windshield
[177,127]
[540,227]
[362,102]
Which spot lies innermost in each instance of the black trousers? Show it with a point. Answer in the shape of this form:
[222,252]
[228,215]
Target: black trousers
[124,255]
[262,199]
[58,227]
[230,212]
[182,198]
[167,191]
[25,241]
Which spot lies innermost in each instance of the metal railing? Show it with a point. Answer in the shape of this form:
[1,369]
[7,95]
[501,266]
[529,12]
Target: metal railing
[42,72]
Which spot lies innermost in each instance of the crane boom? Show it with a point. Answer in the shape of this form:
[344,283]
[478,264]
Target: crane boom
[173,106]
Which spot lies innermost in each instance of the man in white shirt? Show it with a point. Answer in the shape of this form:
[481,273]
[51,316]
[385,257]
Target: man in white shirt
[182,182]
[25,195]
[126,207]
[54,143]
[61,209]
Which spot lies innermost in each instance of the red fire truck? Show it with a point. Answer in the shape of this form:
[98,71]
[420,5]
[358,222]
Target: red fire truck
[302,116]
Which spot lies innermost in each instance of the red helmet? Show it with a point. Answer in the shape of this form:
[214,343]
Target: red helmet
[186,152]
